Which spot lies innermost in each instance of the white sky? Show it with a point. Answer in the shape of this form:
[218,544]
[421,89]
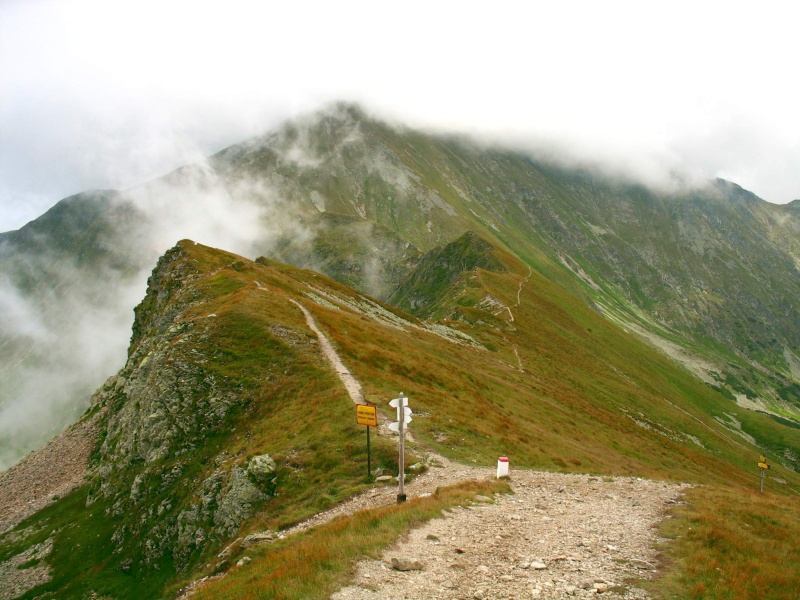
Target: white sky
[112,93]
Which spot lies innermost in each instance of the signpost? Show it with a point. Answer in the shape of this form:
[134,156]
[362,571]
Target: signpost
[762,463]
[367,415]
[403,416]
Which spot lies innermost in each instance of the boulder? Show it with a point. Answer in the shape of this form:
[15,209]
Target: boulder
[404,564]
[262,469]
[259,537]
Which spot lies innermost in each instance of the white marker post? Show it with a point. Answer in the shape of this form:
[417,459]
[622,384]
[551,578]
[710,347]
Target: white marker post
[401,404]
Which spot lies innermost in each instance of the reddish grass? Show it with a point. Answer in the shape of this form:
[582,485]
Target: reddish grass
[732,543]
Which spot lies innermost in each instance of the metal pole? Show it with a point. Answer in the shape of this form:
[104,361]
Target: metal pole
[761,489]
[401,493]
[369,467]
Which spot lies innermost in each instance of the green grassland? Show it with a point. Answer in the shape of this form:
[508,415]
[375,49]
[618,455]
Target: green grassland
[731,542]
[557,388]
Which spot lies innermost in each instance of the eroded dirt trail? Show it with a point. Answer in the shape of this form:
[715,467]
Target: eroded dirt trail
[350,382]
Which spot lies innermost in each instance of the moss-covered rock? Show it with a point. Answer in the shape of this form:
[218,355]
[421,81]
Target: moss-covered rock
[262,469]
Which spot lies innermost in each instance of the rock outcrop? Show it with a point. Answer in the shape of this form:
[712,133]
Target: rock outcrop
[163,407]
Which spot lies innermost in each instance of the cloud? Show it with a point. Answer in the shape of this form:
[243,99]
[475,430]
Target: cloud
[55,349]
[17,314]
[748,153]
[100,95]
[60,340]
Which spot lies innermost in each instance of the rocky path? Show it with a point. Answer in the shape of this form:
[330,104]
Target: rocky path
[556,536]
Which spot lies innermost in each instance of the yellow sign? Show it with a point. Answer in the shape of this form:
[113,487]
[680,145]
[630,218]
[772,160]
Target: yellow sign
[367,415]
[763,465]
[762,459]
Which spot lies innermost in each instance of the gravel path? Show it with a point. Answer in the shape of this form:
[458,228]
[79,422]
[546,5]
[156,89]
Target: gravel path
[556,536]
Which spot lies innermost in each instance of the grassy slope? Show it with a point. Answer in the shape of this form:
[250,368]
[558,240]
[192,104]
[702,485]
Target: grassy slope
[582,378]
[731,542]
[295,410]
[542,213]
[569,408]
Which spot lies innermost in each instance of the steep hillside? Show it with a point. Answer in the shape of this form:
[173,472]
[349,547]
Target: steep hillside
[223,381]
[425,290]
[226,418]
[710,275]
[356,252]
[714,270]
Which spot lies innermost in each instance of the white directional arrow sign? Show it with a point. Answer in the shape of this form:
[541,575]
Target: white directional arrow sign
[406,419]
[397,403]
[403,418]
[406,414]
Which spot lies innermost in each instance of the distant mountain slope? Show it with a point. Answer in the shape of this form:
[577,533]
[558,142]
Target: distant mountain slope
[709,275]
[428,285]
[357,252]
[67,290]
[226,418]
[713,269]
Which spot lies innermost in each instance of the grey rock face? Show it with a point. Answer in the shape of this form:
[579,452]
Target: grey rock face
[236,502]
[171,497]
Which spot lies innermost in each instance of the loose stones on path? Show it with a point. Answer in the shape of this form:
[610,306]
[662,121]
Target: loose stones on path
[556,536]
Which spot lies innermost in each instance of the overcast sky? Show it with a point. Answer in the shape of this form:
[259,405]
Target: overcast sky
[97,94]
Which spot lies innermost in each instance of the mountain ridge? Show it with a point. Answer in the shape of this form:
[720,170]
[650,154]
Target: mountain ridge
[710,270]
[226,419]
